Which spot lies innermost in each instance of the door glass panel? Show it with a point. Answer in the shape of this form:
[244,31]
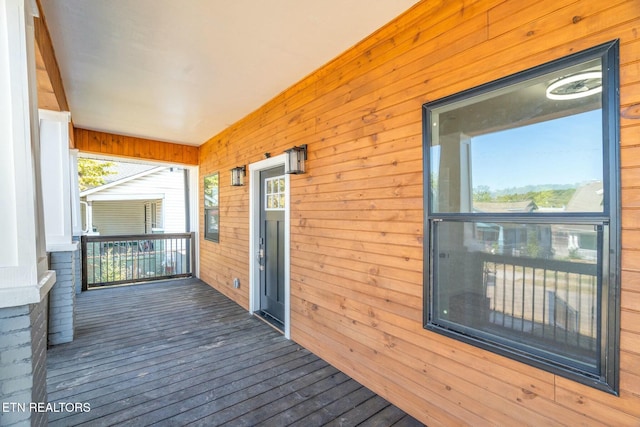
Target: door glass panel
[274,193]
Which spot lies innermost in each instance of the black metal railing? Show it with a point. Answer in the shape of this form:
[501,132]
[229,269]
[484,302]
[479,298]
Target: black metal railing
[112,260]
[553,300]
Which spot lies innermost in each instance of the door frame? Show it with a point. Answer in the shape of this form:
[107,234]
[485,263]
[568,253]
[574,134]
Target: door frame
[254,236]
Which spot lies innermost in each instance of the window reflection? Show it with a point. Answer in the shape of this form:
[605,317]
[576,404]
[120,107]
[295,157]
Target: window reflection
[531,283]
[515,150]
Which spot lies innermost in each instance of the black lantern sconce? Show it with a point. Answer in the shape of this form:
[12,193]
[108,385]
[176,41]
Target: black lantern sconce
[295,159]
[237,176]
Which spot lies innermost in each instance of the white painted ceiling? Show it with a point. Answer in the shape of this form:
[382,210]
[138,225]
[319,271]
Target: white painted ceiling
[184,70]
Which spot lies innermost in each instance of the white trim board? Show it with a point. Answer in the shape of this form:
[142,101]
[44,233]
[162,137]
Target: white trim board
[118,197]
[254,230]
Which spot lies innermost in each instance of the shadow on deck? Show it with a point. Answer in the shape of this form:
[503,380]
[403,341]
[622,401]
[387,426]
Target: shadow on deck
[179,352]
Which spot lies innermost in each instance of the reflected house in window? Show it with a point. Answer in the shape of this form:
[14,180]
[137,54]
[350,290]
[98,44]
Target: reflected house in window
[512,239]
[513,207]
[580,240]
[575,242]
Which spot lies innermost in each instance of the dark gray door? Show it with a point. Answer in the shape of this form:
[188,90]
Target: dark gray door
[271,241]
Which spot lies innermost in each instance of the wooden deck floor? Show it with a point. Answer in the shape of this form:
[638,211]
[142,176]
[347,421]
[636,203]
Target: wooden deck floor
[179,352]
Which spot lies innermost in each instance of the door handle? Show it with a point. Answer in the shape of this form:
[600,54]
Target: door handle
[260,257]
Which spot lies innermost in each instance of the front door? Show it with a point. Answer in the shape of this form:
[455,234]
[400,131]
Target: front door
[271,254]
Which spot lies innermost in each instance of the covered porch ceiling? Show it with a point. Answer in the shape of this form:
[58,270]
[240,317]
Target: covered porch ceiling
[182,72]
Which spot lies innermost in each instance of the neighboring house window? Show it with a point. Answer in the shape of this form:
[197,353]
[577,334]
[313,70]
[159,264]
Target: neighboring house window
[151,217]
[154,215]
[522,213]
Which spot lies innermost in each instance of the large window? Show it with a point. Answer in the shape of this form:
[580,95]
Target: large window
[522,211]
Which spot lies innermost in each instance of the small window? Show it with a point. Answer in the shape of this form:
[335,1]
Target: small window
[274,192]
[521,183]
[211,208]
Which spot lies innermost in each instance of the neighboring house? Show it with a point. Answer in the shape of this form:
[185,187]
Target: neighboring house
[508,238]
[523,206]
[145,200]
[574,241]
[581,241]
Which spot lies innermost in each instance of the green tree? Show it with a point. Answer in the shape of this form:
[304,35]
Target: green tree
[482,193]
[211,188]
[113,266]
[91,173]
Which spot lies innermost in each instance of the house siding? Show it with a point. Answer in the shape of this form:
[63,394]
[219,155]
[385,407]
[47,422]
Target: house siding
[119,217]
[357,214]
[128,216]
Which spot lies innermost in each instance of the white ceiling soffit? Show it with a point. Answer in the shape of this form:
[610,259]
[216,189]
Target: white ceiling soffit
[182,71]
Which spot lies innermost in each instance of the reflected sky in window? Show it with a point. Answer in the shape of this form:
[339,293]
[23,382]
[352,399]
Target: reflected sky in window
[564,151]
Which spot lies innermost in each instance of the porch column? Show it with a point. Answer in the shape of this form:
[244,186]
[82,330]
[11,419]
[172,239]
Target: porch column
[57,199]
[25,280]
[76,215]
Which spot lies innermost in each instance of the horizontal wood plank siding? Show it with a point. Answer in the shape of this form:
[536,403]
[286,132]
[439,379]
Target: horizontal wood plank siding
[357,216]
[89,141]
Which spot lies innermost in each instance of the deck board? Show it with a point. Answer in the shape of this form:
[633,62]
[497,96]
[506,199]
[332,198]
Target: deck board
[179,352]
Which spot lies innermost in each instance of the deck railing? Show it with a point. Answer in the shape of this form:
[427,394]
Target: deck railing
[548,299]
[112,260]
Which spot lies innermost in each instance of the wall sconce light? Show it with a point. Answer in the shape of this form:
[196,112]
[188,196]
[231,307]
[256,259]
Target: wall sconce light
[295,159]
[237,175]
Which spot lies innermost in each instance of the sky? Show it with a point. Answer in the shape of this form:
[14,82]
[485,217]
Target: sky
[567,150]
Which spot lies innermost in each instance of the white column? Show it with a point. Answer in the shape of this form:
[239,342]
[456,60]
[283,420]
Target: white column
[76,218]
[24,274]
[56,181]
[194,213]
[57,199]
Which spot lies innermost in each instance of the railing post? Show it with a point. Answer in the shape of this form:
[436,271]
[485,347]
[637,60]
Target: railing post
[192,253]
[85,272]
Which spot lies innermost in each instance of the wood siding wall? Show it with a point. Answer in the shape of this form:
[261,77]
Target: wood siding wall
[357,215]
[107,144]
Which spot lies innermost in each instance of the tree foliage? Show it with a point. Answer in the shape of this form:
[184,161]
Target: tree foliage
[92,173]
[542,198]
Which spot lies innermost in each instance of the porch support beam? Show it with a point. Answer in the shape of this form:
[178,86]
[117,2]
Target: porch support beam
[45,46]
[108,144]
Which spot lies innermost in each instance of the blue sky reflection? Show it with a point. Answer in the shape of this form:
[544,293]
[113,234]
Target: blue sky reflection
[563,151]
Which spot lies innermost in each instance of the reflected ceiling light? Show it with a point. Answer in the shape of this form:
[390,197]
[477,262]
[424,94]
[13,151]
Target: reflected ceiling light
[576,86]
